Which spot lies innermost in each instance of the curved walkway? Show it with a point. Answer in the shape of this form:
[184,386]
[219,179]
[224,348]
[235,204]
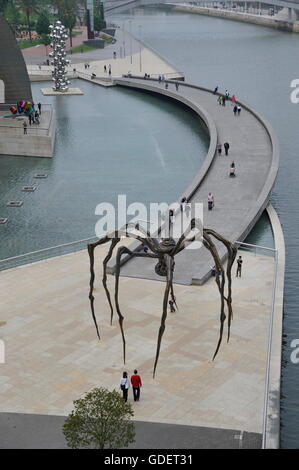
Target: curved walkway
[239,201]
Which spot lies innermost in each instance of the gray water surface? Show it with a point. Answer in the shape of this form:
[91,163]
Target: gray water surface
[108,142]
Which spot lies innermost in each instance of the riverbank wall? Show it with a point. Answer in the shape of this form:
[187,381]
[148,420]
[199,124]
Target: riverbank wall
[270,22]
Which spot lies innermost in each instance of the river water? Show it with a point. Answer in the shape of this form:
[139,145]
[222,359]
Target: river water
[257,64]
[109,142]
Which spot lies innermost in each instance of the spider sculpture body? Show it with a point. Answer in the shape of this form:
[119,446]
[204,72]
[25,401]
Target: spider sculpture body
[164,251]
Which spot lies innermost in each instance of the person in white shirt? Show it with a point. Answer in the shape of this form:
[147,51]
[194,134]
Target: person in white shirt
[124,385]
[183,204]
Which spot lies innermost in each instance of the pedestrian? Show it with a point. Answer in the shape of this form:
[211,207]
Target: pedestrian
[215,90]
[124,385]
[39,108]
[25,127]
[233,98]
[219,149]
[183,204]
[176,86]
[114,55]
[226,94]
[223,100]
[232,170]
[136,384]
[145,248]
[166,85]
[29,119]
[239,266]
[36,117]
[171,305]
[105,69]
[210,201]
[159,79]
[239,110]
[171,220]
[226,147]
[219,100]
[235,110]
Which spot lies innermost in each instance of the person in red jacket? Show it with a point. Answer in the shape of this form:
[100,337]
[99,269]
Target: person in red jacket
[136,384]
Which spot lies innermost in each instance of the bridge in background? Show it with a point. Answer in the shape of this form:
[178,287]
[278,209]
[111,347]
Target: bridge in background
[121,5]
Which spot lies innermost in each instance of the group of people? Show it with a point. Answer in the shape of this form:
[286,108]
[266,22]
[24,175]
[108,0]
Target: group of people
[109,69]
[237,110]
[33,117]
[226,148]
[232,170]
[221,100]
[86,65]
[135,382]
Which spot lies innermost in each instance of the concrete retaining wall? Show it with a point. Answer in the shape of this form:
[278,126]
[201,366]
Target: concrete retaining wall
[237,16]
[271,432]
[31,145]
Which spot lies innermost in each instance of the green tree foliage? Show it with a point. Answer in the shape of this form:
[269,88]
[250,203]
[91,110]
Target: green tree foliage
[3,5]
[100,420]
[28,7]
[68,15]
[42,24]
[12,15]
[99,23]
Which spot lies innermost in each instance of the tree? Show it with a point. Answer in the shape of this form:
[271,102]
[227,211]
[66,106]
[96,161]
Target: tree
[68,15]
[69,22]
[100,420]
[42,24]
[3,5]
[12,15]
[28,7]
[46,41]
[99,23]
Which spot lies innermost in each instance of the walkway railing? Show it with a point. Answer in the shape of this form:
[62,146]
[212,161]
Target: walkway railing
[273,252]
[15,124]
[46,253]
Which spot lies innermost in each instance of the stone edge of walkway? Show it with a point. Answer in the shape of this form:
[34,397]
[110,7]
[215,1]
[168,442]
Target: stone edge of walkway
[271,431]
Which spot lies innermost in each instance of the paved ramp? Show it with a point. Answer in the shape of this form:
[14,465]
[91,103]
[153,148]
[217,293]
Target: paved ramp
[239,201]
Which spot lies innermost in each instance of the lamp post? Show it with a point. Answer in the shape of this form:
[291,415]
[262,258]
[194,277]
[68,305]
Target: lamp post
[140,63]
[124,41]
[130,30]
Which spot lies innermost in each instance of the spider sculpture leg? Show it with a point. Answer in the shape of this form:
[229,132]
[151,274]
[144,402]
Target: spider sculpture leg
[114,242]
[232,252]
[208,243]
[91,247]
[170,264]
[124,250]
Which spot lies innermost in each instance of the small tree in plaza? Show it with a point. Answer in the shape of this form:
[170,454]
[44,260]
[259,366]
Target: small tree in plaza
[43,23]
[100,420]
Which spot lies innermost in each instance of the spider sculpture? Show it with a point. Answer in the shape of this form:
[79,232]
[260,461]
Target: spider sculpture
[164,251]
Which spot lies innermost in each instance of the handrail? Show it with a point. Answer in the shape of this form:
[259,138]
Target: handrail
[35,256]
